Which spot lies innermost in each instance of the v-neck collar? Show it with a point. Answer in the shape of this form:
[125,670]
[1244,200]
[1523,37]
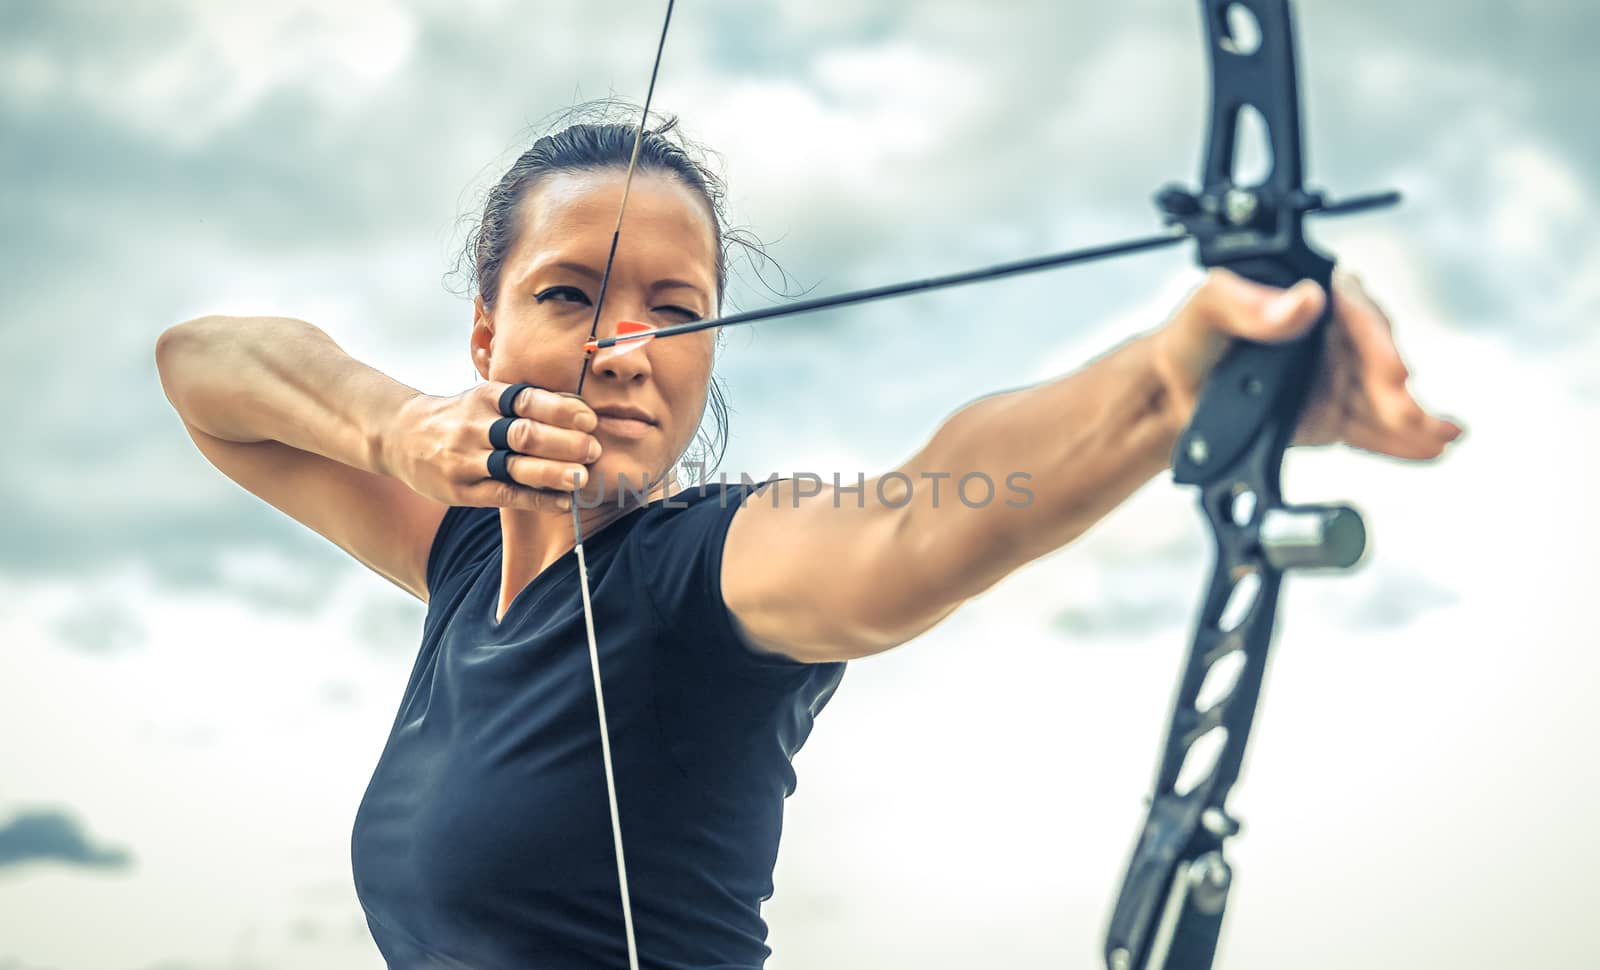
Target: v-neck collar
[596,541]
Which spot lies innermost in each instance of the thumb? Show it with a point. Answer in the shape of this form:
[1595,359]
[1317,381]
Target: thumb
[1237,307]
[1292,312]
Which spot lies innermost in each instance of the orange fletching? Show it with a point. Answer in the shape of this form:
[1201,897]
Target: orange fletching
[630,335]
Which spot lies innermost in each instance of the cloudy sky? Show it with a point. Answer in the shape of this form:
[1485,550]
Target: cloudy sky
[194,689]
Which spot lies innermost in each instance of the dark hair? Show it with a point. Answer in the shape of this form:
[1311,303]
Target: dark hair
[586,139]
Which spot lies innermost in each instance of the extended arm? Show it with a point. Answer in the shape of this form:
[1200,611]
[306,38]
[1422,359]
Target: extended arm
[839,575]
[831,576]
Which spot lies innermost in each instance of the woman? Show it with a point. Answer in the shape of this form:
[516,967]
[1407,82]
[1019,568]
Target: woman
[484,839]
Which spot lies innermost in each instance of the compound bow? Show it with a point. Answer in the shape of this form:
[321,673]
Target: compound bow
[1168,914]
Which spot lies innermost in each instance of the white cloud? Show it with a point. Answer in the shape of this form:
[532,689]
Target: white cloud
[213,754]
[210,64]
[1419,768]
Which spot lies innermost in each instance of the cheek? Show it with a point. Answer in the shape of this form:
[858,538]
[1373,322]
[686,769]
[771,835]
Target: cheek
[538,351]
[685,378]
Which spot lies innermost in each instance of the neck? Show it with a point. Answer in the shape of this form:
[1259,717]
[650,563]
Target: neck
[534,540]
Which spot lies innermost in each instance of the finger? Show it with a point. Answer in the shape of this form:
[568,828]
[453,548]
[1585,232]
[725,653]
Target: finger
[1373,388]
[558,408]
[535,472]
[1396,413]
[535,438]
[1417,444]
[492,493]
[1392,406]
[1389,419]
[1238,307]
[1367,330]
[1416,433]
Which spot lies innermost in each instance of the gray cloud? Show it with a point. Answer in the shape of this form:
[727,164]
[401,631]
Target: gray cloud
[100,628]
[344,210]
[1123,619]
[127,226]
[338,694]
[390,625]
[55,836]
[1398,601]
[191,734]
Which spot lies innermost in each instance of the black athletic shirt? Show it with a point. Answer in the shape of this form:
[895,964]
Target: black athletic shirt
[484,838]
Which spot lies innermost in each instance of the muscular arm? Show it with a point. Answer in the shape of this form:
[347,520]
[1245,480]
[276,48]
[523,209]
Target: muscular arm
[276,405]
[830,576]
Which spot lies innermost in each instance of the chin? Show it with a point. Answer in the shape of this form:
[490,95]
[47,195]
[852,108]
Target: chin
[620,484]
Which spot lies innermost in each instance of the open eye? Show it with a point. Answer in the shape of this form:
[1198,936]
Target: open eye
[563,294]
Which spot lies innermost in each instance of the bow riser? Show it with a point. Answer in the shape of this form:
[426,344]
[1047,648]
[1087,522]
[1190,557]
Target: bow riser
[1168,914]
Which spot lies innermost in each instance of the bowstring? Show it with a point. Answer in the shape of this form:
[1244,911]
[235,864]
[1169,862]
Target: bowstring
[577,523]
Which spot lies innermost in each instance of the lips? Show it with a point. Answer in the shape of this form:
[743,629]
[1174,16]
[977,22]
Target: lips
[623,421]
[625,412]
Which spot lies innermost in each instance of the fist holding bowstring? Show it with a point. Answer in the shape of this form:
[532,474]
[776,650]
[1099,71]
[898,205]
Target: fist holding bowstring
[440,447]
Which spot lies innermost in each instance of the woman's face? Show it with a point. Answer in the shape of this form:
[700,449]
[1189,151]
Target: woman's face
[649,398]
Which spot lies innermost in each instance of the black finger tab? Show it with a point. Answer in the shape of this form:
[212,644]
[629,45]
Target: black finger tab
[497,466]
[509,396]
[498,433]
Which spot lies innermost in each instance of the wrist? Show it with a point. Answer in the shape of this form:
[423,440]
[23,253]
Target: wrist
[384,436]
[1171,399]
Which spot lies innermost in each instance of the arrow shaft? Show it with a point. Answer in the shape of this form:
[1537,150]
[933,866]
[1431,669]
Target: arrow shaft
[852,297]
[1018,267]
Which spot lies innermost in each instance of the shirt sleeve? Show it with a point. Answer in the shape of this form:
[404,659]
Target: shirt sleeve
[465,536]
[680,552]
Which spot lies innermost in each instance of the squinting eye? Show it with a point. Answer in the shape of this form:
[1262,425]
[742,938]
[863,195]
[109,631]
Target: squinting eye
[688,314]
[562,294]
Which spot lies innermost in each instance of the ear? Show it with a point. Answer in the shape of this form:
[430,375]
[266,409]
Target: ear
[482,340]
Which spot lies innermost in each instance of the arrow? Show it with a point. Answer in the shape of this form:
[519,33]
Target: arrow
[632,335]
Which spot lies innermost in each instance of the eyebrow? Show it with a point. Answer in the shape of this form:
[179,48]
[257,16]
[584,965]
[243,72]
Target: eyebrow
[589,272]
[582,269]
[674,284]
